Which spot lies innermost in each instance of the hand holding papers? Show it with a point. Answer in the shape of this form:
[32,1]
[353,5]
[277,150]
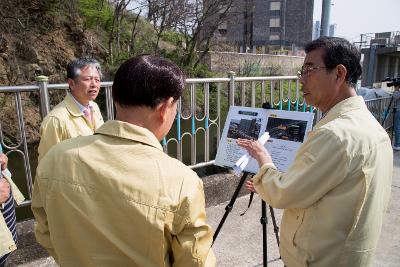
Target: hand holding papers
[287,131]
[241,164]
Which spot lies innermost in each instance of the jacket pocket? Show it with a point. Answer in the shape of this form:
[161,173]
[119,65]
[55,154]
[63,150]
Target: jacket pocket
[296,240]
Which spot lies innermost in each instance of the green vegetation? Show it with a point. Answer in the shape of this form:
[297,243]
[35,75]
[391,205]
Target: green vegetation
[96,14]
[130,27]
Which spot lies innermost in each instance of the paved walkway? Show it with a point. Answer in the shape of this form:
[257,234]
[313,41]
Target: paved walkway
[239,242]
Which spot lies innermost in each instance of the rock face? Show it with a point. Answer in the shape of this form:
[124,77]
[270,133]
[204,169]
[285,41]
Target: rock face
[37,38]
[35,32]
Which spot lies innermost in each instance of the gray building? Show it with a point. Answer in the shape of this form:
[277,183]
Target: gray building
[316,30]
[332,30]
[381,57]
[265,25]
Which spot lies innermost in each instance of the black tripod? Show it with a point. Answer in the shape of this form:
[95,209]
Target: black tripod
[387,111]
[263,219]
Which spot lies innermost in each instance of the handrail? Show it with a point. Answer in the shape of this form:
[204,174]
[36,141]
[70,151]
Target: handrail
[195,136]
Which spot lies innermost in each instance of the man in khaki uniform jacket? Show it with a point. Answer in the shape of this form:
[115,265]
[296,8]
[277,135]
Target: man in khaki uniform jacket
[77,114]
[336,192]
[115,198]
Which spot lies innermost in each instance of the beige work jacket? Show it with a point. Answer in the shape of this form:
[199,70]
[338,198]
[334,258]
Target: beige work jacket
[7,243]
[336,192]
[66,121]
[116,199]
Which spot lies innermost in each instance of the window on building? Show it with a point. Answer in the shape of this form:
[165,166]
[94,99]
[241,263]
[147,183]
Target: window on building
[275,29]
[275,6]
[274,13]
[274,22]
[274,37]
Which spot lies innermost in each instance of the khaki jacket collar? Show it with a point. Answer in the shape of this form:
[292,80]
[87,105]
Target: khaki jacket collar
[344,106]
[129,131]
[72,107]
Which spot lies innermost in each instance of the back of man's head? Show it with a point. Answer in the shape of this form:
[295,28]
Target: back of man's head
[147,81]
[339,51]
[74,67]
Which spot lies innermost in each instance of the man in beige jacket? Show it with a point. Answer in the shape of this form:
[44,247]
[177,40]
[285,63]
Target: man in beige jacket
[336,192]
[115,198]
[77,114]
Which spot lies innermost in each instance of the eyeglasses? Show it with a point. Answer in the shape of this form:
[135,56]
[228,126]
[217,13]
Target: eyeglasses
[305,70]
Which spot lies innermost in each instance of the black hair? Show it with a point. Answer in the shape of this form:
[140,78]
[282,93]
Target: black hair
[75,66]
[339,51]
[147,80]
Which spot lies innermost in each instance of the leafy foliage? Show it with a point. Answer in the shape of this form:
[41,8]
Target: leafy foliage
[96,13]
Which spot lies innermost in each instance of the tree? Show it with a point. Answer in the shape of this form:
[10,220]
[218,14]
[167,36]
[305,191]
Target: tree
[198,25]
[163,15]
[115,32]
[195,20]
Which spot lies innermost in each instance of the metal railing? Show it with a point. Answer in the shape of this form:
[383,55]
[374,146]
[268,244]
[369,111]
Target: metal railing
[387,39]
[202,110]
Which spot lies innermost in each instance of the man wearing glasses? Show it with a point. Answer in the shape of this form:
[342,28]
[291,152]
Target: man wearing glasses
[336,192]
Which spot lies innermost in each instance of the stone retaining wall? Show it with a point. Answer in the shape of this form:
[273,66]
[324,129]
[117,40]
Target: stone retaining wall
[222,62]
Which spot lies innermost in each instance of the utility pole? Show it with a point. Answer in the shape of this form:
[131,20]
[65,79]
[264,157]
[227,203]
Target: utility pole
[325,17]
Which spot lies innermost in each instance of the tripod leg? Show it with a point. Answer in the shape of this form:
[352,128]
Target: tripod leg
[276,228]
[264,221]
[393,123]
[386,113]
[229,207]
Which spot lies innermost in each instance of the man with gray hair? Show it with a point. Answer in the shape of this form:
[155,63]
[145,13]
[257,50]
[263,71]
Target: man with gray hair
[77,114]
[336,192]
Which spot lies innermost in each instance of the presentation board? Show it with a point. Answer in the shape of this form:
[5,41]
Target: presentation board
[287,131]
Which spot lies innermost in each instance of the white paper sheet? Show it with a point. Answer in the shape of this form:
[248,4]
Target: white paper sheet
[287,131]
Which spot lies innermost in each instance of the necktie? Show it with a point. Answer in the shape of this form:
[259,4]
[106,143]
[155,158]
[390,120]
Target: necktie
[88,114]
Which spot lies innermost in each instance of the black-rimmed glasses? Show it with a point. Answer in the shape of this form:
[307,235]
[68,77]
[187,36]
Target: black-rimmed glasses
[305,70]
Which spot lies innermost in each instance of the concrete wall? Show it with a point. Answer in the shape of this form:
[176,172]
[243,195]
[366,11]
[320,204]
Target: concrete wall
[378,65]
[222,62]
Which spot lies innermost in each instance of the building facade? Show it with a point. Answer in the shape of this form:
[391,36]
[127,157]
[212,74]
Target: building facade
[332,30]
[316,30]
[265,25]
[381,57]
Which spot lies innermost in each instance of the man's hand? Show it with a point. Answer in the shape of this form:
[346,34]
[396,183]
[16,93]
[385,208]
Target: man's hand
[4,185]
[250,186]
[256,150]
[3,161]
[4,190]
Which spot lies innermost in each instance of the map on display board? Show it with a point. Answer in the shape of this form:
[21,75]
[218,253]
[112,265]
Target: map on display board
[286,131]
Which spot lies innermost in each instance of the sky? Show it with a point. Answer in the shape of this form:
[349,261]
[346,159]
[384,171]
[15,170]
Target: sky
[354,17]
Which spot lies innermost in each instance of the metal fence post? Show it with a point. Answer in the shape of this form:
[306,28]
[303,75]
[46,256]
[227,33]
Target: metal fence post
[231,99]
[319,115]
[43,94]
